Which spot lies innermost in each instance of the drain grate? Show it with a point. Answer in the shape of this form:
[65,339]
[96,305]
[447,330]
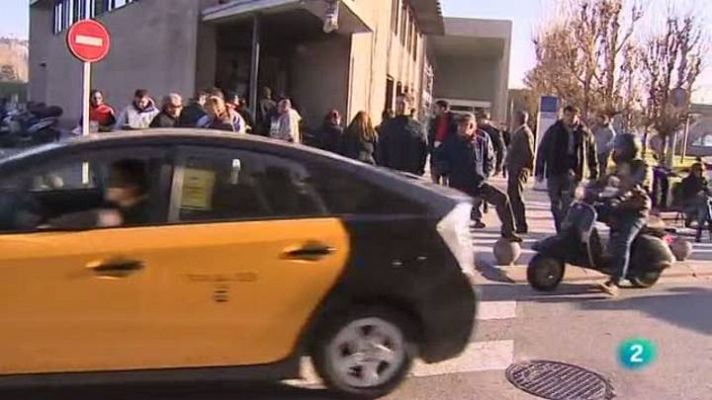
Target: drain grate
[559,381]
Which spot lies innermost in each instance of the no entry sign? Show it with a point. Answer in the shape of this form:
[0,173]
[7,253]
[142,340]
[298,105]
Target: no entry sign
[88,40]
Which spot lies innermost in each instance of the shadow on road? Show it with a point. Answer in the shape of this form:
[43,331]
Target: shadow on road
[195,391]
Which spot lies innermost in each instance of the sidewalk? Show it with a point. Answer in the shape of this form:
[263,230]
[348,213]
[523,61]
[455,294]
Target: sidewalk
[541,225]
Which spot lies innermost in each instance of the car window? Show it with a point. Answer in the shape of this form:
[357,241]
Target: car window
[225,185]
[346,193]
[70,192]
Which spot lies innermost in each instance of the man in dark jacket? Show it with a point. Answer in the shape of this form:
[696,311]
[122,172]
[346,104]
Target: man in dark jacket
[403,145]
[467,159]
[565,151]
[520,162]
[193,112]
[497,139]
[441,127]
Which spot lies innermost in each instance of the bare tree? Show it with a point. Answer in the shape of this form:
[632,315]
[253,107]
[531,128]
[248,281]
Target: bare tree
[585,58]
[671,60]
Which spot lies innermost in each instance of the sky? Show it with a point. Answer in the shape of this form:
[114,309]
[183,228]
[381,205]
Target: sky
[15,19]
[527,16]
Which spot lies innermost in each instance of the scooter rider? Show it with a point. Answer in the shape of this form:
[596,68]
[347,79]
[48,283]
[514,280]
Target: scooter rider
[628,209]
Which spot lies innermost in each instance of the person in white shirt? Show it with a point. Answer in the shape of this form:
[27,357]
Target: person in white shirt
[139,114]
[603,135]
[285,124]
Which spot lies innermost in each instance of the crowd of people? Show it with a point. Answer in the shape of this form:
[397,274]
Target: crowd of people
[208,109]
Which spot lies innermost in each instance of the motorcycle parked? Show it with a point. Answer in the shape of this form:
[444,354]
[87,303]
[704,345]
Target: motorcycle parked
[38,125]
[579,243]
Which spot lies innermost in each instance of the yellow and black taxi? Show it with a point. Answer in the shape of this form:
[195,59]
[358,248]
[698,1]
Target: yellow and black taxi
[182,255]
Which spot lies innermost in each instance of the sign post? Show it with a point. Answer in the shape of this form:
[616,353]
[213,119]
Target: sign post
[548,115]
[89,41]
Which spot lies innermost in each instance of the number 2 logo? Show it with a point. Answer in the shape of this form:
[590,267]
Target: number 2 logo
[636,353]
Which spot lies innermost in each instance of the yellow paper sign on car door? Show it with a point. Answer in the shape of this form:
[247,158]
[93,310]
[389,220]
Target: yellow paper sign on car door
[198,185]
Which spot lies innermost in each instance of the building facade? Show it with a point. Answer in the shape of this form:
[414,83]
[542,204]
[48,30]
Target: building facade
[471,65]
[378,51]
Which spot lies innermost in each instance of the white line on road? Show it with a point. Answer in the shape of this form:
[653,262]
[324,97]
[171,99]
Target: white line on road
[477,357]
[494,310]
[89,40]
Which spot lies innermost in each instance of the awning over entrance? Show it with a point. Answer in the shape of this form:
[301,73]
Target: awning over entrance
[349,20]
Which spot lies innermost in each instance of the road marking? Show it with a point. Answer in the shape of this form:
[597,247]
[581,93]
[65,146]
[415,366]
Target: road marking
[89,40]
[477,357]
[496,310]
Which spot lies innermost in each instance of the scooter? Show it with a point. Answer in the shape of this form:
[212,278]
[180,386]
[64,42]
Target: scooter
[32,128]
[579,243]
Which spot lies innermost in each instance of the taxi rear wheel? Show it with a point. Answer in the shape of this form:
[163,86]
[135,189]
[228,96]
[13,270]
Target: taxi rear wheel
[365,353]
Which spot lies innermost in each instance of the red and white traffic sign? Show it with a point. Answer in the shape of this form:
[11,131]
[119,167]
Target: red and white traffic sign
[88,40]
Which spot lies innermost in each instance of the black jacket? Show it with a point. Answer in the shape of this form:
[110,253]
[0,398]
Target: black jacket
[329,138]
[433,129]
[164,120]
[403,145]
[190,115]
[498,145]
[355,147]
[552,159]
[467,162]
[691,186]
[246,115]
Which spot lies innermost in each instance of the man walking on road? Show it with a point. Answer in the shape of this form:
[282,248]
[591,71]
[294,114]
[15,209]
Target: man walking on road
[520,163]
[441,127]
[564,152]
[403,145]
[603,134]
[467,159]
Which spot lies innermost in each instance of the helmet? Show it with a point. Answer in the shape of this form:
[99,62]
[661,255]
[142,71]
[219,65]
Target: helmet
[626,147]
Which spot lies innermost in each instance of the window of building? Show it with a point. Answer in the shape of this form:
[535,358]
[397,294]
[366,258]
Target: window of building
[414,42]
[394,16]
[403,23]
[67,12]
[238,185]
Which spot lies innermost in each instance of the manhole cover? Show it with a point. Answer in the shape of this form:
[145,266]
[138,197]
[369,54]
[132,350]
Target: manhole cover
[558,381]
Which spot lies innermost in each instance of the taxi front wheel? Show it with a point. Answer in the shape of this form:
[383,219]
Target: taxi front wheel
[365,353]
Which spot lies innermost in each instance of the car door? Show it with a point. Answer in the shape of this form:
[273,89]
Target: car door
[251,258]
[71,298]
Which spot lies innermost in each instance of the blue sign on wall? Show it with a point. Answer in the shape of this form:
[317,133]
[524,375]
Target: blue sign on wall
[549,104]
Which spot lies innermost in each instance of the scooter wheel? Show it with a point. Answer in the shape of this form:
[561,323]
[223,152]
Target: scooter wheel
[645,280]
[545,273]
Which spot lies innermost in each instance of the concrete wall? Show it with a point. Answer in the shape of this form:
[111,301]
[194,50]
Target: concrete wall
[468,67]
[368,61]
[154,48]
[379,54]
[40,30]
[319,77]
[469,79]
